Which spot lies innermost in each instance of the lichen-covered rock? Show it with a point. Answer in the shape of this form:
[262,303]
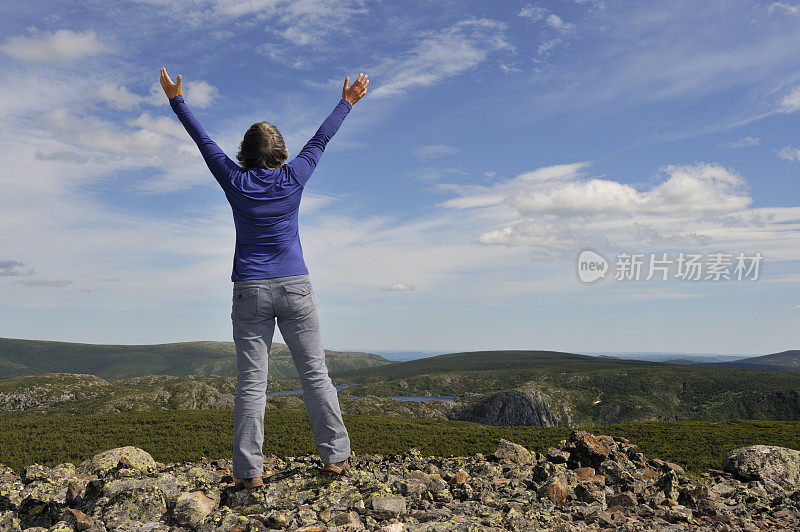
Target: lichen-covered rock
[9,522]
[557,456]
[35,472]
[393,527]
[6,473]
[616,472]
[224,519]
[625,498]
[391,504]
[79,520]
[61,526]
[349,521]
[197,479]
[192,507]
[121,457]
[765,462]
[590,493]
[135,506]
[514,452]
[587,449]
[587,482]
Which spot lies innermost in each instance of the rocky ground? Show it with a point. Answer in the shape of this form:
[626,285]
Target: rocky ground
[588,482]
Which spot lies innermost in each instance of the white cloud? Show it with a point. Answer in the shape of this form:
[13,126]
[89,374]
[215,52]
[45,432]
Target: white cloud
[100,135]
[744,142]
[303,23]
[64,155]
[400,287]
[440,55]
[197,93]
[167,125]
[539,13]
[791,102]
[88,241]
[531,232]
[61,46]
[313,202]
[547,46]
[434,151]
[551,20]
[431,173]
[118,96]
[790,154]
[535,13]
[700,188]
[308,22]
[555,22]
[657,55]
[299,22]
[791,9]
[556,172]
[509,69]
[282,54]
[555,210]
[484,196]
[468,202]
[480,230]
[200,93]
[145,140]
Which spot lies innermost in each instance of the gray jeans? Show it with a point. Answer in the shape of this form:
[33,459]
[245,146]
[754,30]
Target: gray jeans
[256,305]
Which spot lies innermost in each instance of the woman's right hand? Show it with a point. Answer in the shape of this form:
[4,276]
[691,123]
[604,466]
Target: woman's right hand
[354,92]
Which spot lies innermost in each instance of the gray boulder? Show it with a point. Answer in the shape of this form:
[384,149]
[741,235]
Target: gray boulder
[127,457]
[514,452]
[765,462]
[192,507]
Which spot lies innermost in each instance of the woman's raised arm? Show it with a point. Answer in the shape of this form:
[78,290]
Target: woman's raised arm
[222,167]
[302,166]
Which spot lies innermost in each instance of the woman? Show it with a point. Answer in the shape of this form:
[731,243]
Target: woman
[270,278]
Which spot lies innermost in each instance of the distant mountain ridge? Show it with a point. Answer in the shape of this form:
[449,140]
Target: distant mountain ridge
[32,357]
[785,360]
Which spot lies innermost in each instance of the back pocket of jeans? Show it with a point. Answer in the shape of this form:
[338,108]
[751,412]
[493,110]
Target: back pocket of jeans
[299,297]
[245,303]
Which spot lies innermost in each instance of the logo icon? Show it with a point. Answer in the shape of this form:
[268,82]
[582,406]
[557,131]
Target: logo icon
[591,266]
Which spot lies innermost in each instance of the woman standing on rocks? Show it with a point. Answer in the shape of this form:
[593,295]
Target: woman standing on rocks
[270,278]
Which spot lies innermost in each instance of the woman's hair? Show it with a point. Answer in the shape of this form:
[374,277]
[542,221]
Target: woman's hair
[262,145]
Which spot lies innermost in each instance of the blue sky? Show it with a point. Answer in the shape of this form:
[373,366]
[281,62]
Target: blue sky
[497,141]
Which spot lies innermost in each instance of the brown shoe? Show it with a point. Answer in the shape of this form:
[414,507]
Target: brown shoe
[338,468]
[249,483]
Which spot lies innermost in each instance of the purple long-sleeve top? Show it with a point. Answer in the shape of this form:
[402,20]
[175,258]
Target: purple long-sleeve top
[265,202]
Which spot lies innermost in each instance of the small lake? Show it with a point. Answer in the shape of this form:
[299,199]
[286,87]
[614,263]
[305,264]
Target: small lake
[398,397]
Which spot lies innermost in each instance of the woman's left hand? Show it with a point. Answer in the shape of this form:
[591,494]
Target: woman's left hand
[170,89]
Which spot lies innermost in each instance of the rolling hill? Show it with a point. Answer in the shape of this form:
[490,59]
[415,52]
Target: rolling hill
[534,388]
[31,357]
[563,389]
